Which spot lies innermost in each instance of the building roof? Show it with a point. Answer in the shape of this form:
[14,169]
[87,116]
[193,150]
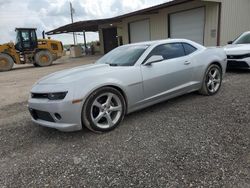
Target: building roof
[88,25]
[92,25]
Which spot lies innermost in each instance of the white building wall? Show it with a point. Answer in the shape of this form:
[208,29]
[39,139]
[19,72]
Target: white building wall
[235,19]
[159,21]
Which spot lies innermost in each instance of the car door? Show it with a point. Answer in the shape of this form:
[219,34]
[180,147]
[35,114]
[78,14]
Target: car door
[168,76]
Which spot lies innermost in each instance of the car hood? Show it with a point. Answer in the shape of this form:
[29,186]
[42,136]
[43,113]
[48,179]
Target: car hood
[77,73]
[237,49]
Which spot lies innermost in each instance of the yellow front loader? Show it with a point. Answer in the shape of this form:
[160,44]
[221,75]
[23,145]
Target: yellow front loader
[29,49]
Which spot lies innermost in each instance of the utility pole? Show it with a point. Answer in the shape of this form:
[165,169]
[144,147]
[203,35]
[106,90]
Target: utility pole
[72,11]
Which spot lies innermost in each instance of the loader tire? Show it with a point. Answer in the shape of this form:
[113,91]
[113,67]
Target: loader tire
[6,62]
[43,58]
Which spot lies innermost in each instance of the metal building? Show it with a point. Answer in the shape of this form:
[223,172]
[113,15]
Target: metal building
[209,22]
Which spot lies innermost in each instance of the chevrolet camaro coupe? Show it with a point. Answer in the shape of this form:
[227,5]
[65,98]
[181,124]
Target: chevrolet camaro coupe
[128,78]
[238,52]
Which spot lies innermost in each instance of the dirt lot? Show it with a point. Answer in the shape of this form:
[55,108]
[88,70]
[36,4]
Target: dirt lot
[190,141]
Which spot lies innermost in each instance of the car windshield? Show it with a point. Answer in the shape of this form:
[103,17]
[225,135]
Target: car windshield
[123,56]
[243,39]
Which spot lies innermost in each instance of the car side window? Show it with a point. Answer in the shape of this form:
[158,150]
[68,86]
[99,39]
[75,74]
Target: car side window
[168,51]
[188,48]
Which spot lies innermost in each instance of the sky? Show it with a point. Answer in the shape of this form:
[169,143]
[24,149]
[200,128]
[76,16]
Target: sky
[50,14]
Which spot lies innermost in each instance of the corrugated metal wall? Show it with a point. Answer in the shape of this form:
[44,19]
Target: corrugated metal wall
[235,19]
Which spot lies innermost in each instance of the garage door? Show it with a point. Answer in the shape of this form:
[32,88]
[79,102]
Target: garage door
[139,31]
[188,24]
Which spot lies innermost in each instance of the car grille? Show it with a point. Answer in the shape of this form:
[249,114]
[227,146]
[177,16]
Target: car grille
[238,56]
[37,114]
[39,95]
[237,64]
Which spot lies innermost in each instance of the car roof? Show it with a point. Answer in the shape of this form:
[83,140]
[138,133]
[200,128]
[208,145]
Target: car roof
[156,42]
[247,32]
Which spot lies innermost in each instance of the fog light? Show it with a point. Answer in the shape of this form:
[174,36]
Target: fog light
[58,116]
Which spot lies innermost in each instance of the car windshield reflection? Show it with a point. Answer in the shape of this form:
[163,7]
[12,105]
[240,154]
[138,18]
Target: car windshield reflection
[123,56]
[243,39]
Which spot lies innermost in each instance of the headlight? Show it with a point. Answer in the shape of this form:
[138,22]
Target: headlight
[57,96]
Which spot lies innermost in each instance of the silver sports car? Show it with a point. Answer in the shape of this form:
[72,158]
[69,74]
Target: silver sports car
[128,78]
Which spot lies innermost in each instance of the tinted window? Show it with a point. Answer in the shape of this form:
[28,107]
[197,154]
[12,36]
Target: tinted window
[33,35]
[123,55]
[168,51]
[189,48]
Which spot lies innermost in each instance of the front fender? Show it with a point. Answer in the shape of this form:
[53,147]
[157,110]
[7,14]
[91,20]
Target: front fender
[131,86]
[88,88]
[222,61]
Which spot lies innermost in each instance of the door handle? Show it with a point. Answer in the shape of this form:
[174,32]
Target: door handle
[187,62]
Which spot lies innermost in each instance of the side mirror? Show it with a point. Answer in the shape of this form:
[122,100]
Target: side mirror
[230,42]
[154,59]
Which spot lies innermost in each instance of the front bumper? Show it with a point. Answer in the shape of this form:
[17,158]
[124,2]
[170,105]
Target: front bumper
[45,113]
[238,63]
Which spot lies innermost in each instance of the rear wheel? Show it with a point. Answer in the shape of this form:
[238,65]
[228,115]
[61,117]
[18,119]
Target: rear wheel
[212,81]
[104,110]
[43,58]
[6,62]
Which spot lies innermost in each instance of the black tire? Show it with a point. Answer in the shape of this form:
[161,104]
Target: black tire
[208,89]
[88,109]
[43,58]
[6,62]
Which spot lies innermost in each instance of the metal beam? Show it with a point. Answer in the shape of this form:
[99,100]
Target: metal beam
[84,37]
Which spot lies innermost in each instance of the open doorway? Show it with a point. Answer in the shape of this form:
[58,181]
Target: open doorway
[109,39]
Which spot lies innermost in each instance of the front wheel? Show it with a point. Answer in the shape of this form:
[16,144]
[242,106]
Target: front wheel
[212,80]
[6,62]
[104,109]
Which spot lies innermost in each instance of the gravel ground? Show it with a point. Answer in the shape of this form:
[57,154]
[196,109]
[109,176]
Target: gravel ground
[189,141]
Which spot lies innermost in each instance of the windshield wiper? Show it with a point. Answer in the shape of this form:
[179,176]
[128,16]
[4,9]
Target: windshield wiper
[112,64]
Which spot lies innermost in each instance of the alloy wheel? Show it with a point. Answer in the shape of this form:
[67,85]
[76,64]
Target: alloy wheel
[213,80]
[106,110]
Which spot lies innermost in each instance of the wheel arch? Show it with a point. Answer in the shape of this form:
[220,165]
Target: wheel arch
[223,71]
[41,49]
[118,88]
[122,92]
[216,63]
